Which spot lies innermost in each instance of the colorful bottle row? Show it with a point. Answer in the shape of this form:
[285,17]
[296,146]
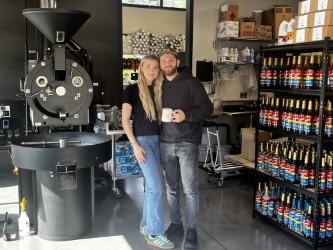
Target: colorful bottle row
[295,211]
[297,115]
[296,163]
[131,63]
[299,72]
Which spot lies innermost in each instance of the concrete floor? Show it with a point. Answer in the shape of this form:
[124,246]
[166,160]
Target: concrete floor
[225,220]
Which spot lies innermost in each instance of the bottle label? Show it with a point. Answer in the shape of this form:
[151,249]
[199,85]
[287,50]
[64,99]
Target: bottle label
[322,181]
[258,202]
[301,123]
[318,78]
[329,227]
[282,167]
[259,162]
[295,122]
[275,166]
[322,232]
[292,173]
[269,76]
[283,119]
[263,77]
[305,177]
[269,117]
[289,120]
[275,77]
[291,77]
[297,78]
[330,79]
[315,124]
[271,208]
[276,117]
[292,215]
[287,172]
[286,78]
[307,124]
[298,219]
[261,116]
[280,213]
[265,206]
[264,117]
[329,126]
[309,78]
[286,216]
[312,174]
[329,177]
[307,228]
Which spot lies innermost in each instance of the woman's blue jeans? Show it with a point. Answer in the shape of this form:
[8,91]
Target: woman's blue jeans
[152,205]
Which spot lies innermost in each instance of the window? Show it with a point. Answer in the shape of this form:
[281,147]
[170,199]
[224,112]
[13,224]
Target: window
[175,3]
[179,4]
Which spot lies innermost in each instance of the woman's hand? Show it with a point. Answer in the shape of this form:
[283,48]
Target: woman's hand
[140,153]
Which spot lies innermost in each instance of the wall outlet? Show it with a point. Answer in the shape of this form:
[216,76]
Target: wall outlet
[243,94]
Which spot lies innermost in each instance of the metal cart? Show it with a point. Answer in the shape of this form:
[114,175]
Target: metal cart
[218,166]
[117,193]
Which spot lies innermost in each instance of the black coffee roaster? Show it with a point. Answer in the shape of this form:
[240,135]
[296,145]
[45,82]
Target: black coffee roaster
[59,92]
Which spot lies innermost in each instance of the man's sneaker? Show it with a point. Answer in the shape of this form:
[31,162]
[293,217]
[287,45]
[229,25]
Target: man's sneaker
[191,240]
[159,241]
[143,229]
[174,230]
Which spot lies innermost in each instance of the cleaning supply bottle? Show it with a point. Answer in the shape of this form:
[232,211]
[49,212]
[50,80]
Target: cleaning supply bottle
[282,37]
[23,221]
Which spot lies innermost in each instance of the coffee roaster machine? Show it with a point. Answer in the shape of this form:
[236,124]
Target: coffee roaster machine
[57,166]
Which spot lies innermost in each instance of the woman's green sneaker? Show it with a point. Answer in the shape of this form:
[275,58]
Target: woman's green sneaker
[143,229]
[159,241]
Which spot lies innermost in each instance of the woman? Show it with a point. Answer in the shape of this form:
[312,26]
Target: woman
[143,103]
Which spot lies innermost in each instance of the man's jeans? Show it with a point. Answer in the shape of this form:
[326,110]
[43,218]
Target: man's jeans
[180,160]
[152,204]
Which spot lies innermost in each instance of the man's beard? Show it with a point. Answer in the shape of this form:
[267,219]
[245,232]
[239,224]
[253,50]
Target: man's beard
[169,71]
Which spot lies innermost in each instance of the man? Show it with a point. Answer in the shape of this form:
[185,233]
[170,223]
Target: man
[180,140]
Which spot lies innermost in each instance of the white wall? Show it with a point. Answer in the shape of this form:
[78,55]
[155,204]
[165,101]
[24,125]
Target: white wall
[161,22]
[205,18]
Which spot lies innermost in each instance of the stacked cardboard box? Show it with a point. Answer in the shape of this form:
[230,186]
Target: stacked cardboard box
[126,163]
[275,16]
[263,31]
[227,29]
[314,20]
[249,142]
[228,12]
[246,29]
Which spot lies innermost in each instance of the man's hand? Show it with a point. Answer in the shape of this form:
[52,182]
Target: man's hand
[178,115]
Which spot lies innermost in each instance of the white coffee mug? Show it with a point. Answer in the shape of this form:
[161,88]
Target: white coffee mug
[166,115]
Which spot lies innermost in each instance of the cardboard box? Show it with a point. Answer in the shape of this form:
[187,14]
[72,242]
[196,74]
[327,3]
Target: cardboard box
[263,35]
[249,142]
[319,33]
[228,12]
[227,29]
[126,162]
[301,35]
[306,7]
[323,5]
[275,16]
[321,18]
[262,28]
[247,29]
[303,21]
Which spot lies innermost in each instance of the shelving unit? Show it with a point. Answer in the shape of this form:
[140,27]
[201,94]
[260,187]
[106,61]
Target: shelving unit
[325,47]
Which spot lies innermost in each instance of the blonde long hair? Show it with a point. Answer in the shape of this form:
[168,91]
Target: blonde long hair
[147,102]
